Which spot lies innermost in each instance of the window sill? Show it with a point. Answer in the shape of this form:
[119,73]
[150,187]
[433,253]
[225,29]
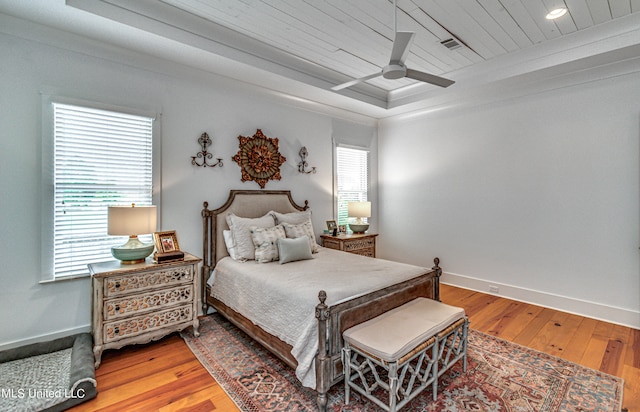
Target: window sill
[64,279]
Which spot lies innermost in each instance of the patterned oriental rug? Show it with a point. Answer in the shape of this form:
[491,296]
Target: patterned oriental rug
[501,376]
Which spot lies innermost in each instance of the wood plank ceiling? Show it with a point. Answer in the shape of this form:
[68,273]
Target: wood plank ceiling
[354,37]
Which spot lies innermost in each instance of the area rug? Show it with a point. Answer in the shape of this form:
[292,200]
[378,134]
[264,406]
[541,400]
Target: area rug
[501,376]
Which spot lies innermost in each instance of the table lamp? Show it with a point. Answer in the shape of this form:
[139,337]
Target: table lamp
[132,221]
[359,210]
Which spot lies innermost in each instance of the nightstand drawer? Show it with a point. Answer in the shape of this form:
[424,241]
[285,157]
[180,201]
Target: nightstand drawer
[124,284]
[356,244]
[368,252]
[138,325]
[137,304]
[331,243]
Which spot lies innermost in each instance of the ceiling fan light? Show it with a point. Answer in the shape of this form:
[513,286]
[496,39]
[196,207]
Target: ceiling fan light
[555,13]
[394,71]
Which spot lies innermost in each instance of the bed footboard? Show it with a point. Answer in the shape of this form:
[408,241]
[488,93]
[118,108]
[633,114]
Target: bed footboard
[334,320]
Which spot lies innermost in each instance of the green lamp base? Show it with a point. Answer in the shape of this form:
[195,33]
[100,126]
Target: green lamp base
[134,251]
[358,228]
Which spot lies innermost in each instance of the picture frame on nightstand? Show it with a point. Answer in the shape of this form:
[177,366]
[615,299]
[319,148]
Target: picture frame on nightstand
[166,241]
[167,247]
[332,225]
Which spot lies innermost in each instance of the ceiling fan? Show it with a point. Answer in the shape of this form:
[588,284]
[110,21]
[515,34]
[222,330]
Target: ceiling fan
[396,68]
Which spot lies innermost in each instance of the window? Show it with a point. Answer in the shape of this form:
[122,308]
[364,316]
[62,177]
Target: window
[352,179]
[100,158]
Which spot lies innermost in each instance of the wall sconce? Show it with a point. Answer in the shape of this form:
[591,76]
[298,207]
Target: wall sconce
[204,141]
[302,166]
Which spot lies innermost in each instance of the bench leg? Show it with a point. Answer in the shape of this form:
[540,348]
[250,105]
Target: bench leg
[434,370]
[465,331]
[393,386]
[346,364]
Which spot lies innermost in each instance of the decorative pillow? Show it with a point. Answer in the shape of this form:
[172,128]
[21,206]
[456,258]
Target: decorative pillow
[241,235]
[231,247]
[294,218]
[294,249]
[302,229]
[265,241]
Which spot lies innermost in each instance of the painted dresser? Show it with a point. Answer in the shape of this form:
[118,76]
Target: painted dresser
[134,304]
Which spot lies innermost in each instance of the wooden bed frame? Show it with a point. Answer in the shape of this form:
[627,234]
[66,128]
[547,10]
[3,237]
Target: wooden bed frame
[333,320]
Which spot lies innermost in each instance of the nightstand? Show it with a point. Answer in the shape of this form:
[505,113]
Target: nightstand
[363,244]
[138,303]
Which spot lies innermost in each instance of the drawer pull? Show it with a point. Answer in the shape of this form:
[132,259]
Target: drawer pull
[117,308]
[117,285]
[116,330]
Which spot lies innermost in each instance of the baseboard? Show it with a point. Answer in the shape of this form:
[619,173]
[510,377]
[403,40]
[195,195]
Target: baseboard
[44,338]
[593,310]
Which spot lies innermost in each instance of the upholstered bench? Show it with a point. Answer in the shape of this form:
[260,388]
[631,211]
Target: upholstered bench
[393,357]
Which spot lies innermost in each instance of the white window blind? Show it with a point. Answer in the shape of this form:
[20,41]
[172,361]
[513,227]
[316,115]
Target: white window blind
[101,158]
[353,179]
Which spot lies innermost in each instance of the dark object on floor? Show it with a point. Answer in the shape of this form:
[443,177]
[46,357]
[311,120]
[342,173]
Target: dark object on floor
[82,383]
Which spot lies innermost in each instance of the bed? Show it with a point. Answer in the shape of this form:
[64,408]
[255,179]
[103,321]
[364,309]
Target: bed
[310,296]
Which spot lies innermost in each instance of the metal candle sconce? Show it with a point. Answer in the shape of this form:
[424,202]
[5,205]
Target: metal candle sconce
[205,141]
[302,166]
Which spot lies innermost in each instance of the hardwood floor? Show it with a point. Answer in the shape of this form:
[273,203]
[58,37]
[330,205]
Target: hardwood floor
[166,376]
[610,348]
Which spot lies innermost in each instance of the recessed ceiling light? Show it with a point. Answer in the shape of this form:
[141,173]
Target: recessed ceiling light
[559,12]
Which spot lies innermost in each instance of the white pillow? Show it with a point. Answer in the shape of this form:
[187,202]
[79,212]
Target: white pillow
[265,240]
[231,247]
[302,229]
[240,232]
[295,218]
[294,249]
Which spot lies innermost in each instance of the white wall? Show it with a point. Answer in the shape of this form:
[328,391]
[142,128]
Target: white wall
[538,195]
[191,102]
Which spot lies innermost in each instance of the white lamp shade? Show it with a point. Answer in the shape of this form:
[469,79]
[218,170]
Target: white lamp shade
[359,209]
[130,220]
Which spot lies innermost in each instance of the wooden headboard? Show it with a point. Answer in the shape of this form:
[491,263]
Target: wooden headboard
[243,203]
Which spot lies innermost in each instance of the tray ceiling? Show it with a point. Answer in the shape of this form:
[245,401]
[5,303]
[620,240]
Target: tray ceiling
[354,38]
[321,43]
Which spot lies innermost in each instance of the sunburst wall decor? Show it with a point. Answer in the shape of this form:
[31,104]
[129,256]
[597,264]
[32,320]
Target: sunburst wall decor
[259,158]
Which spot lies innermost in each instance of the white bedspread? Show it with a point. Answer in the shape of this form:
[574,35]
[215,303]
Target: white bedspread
[281,299]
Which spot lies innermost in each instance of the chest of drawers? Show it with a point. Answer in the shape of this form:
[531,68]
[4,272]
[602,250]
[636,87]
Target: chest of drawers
[135,304]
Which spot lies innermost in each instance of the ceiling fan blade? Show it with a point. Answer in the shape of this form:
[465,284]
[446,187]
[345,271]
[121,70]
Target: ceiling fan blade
[356,81]
[401,45]
[429,78]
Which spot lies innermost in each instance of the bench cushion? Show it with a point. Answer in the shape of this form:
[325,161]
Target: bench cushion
[396,332]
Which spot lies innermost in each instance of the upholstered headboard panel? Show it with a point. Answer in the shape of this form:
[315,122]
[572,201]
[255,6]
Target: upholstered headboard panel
[243,203]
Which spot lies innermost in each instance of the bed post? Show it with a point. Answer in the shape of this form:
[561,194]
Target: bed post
[206,257]
[322,360]
[436,279]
